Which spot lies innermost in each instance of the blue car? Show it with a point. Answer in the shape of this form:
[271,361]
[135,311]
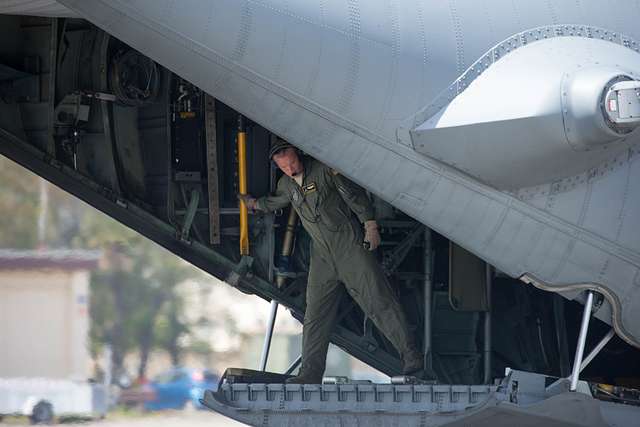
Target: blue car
[179,388]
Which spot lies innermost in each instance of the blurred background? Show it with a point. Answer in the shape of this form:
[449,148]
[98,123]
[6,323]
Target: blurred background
[99,324]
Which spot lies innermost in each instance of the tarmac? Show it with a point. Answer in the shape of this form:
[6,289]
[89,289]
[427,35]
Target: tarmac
[187,418]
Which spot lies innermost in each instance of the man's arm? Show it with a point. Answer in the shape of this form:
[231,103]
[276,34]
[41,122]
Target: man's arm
[279,200]
[355,197]
[358,201]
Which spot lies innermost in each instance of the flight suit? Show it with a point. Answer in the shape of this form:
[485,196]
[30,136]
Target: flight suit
[324,203]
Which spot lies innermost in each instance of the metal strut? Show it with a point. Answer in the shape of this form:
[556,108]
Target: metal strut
[190,215]
[592,355]
[487,327]
[428,300]
[266,346]
[293,365]
[597,349]
[582,338]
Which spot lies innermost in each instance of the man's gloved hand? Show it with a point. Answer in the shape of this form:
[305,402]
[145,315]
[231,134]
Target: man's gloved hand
[371,234]
[250,202]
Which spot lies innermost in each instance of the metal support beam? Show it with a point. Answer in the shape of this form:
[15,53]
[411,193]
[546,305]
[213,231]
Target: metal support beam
[597,349]
[53,71]
[116,181]
[592,355]
[212,170]
[428,297]
[487,327]
[293,366]
[395,257]
[266,346]
[191,213]
[582,338]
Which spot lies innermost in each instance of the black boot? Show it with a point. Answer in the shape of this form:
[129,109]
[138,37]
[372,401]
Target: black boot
[305,378]
[412,363]
[413,366]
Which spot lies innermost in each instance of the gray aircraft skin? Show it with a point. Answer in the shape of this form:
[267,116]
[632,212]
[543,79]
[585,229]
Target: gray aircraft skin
[451,111]
[36,8]
[510,127]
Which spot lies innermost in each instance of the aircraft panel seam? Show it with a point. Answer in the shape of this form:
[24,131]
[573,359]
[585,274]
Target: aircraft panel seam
[290,14]
[625,197]
[494,232]
[425,49]
[457,30]
[552,12]
[316,70]
[244,33]
[353,69]
[395,54]
[567,184]
[583,213]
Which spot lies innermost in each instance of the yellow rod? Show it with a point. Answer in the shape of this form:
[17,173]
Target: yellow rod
[242,177]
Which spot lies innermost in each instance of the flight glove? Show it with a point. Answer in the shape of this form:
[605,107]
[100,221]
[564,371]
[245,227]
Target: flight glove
[250,202]
[371,234]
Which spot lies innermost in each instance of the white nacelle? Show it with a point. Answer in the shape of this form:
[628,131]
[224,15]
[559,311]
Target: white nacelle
[534,116]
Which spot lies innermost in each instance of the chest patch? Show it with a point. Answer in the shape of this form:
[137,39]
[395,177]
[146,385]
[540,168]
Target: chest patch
[309,188]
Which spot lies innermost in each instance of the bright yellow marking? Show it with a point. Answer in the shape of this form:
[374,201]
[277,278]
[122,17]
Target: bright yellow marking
[242,175]
[187,114]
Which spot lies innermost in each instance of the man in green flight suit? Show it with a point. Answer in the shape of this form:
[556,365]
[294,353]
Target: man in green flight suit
[324,201]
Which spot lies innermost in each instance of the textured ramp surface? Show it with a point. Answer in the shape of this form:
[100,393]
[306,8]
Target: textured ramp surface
[347,404]
[393,405]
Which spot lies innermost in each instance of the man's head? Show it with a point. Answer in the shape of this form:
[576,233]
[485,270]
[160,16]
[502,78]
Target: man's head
[286,158]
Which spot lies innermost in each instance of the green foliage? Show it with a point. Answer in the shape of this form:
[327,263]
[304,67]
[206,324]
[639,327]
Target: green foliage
[200,347]
[18,205]
[21,205]
[138,307]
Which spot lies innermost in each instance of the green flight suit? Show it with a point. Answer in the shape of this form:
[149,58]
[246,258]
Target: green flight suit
[324,204]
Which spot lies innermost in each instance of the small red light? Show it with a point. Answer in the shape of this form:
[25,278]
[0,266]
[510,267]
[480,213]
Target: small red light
[197,376]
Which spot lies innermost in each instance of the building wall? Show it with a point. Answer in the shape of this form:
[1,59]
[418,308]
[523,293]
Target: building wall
[44,324]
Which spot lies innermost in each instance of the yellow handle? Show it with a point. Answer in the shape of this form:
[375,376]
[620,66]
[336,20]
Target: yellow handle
[242,176]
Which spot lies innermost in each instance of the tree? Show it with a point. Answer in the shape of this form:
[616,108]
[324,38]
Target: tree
[170,329]
[164,313]
[21,206]
[134,303]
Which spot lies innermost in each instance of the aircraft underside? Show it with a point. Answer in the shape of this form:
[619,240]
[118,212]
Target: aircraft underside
[152,141]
